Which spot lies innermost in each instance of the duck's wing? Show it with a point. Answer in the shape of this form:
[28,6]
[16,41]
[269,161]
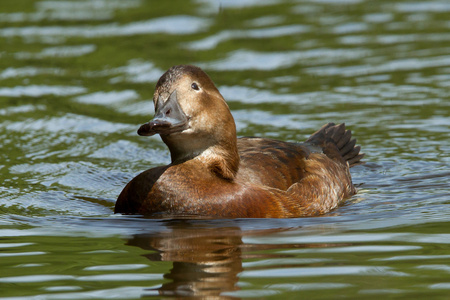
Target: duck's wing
[272,163]
[280,164]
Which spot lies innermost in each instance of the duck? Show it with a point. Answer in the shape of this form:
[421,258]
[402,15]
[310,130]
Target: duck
[215,174]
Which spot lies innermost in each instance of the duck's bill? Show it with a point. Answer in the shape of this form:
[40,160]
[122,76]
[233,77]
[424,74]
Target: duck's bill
[169,118]
[163,126]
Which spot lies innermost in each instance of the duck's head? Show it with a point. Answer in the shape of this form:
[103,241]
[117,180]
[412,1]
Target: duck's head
[192,117]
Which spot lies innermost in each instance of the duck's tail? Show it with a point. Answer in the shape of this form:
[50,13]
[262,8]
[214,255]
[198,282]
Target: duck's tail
[337,135]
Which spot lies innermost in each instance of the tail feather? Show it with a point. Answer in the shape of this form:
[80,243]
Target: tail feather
[352,153]
[356,160]
[337,132]
[344,150]
[345,139]
[342,139]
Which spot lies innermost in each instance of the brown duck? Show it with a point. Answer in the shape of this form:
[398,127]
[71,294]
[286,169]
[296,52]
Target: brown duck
[215,174]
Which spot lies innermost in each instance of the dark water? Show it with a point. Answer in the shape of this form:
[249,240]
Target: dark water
[76,79]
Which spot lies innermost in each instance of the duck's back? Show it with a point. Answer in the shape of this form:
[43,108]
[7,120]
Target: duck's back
[281,165]
[271,163]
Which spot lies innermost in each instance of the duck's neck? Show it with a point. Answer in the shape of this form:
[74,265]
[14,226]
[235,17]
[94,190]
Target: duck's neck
[222,161]
[221,158]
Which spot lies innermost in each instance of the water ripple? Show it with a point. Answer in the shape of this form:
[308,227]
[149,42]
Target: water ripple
[116,267]
[413,257]
[251,95]
[179,25]
[68,123]
[35,278]
[212,41]
[132,152]
[132,292]
[236,3]
[41,90]
[121,277]
[428,6]
[21,109]
[62,51]
[308,286]
[14,245]
[70,11]
[107,98]
[136,70]
[29,71]
[252,60]
[322,271]
[22,254]
[407,64]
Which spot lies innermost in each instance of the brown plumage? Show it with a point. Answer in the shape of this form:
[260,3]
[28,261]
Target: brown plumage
[215,174]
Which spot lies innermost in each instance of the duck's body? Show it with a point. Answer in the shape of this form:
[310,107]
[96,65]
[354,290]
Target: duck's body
[214,174]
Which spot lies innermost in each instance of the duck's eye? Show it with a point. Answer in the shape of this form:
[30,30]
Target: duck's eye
[195,86]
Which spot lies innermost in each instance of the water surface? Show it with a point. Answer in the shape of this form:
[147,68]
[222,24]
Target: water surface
[76,81]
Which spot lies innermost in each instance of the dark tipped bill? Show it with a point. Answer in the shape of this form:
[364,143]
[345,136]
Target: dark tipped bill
[169,118]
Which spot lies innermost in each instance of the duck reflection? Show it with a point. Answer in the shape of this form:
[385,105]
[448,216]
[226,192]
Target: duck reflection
[206,261]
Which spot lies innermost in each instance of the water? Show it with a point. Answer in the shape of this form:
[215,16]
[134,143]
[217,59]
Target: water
[76,79]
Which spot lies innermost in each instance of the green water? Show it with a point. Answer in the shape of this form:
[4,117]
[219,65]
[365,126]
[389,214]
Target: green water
[76,81]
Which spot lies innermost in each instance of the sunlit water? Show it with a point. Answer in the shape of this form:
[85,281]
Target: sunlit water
[76,79]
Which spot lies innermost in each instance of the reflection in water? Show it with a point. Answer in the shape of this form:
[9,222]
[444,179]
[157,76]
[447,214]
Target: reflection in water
[206,260]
